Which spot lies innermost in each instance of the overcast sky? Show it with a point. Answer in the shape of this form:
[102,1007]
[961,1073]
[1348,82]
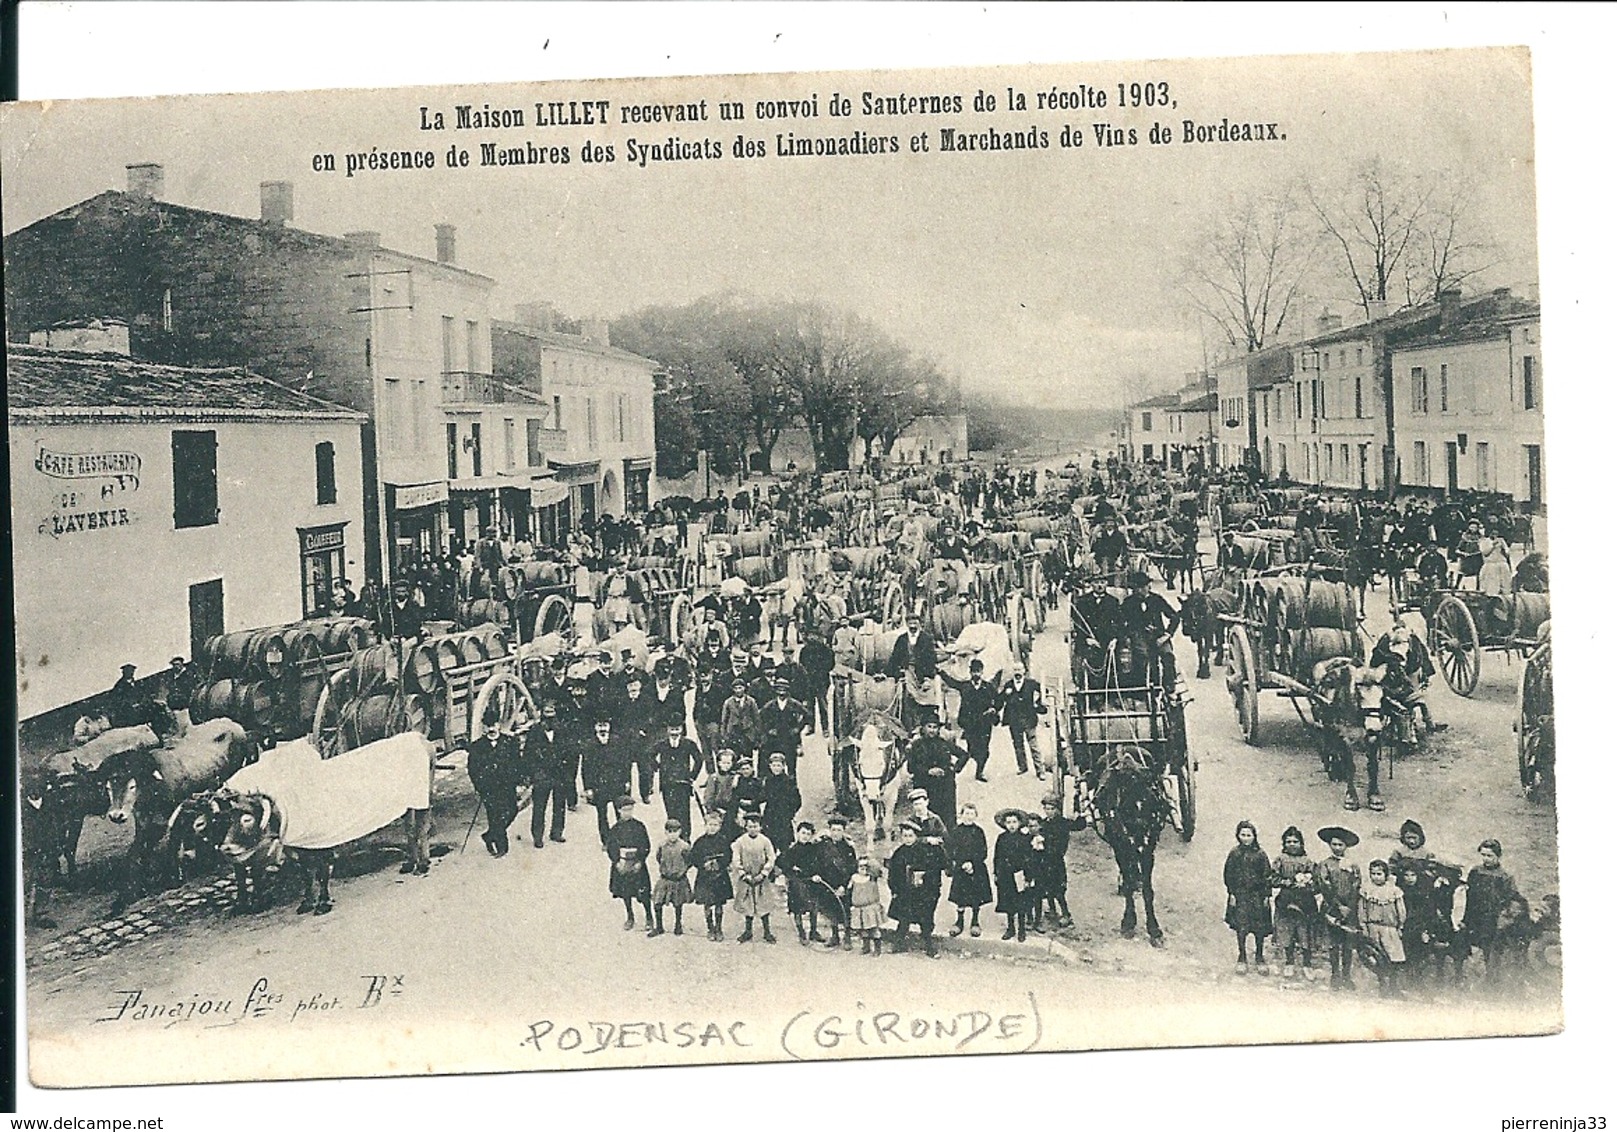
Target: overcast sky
[1049,276]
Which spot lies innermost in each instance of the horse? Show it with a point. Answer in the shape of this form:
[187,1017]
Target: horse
[1131,811]
[876,758]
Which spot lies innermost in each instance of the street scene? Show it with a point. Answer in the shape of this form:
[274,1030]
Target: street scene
[748,674]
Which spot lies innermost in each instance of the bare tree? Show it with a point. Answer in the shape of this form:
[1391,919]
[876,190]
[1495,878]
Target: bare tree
[1245,272]
[1401,237]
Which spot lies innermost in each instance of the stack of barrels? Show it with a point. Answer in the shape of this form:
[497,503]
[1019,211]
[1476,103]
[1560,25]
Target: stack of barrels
[270,679]
[385,689]
[1313,621]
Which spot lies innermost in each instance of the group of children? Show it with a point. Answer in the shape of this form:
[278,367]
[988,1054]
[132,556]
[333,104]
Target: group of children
[826,878]
[1396,914]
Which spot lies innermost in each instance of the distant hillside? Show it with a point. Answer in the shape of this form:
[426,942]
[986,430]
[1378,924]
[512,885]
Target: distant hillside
[997,424]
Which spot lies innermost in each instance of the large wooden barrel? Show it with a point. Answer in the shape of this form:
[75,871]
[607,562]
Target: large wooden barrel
[252,706]
[492,638]
[220,698]
[232,654]
[473,649]
[751,544]
[948,618]
[485,610]
[375,717]
[1308,647]
[873,693]
[308,699]
[1298,603]
[873,650]
[758,570]
[1035,525]
[422,669]
[375,667]
[447,649]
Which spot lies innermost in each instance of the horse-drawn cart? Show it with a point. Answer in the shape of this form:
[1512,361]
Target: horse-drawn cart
[1126,704]
[1463,624]
[1286,626]
[443,687]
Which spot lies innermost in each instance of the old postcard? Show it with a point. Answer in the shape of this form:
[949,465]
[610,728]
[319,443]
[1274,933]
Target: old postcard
[781,568]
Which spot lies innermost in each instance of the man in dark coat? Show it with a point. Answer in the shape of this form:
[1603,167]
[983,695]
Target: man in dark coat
[402,616]
[551,767]
[1149,620]
[915,878]
[915,650]
[979,711]
[782,800]
[817,660]
[493,763]
[932,760]
[781,724]
[1021,703]
[606,767]
[636,728]
[675,761]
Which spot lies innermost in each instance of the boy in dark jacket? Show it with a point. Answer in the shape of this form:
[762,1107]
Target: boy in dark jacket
[798,862]
[967,847]
[1057,836]
[838,861]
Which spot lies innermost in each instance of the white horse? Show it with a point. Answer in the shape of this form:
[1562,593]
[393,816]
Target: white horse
[878,763]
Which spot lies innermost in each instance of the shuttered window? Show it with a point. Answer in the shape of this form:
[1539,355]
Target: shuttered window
[325,472]
[196,478]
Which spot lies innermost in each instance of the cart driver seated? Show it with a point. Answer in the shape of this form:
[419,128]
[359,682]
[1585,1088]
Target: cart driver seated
[1095,615]
[1149,621]
[1408,670]
[1110,545]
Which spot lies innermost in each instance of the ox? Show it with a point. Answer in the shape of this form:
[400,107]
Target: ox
[67,789]
[144,787]
[293,805]
[876,760]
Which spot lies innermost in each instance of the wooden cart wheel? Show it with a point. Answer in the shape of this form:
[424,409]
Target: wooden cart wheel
[554,615]
[510,698]
[893,606]
[1185,780]
[679,619]
[1035,589]
[1242,679]
[327,732]
[1456,646]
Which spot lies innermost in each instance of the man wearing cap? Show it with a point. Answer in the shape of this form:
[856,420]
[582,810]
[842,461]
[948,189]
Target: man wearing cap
[402,616]
[1110,543]
[179,685]
[123,699]
[1095,615]
[606,768]
[781,723]
[915,878]
[837,861]
[1021,703]
[931,760]
[551,764]
[636,728]
[978,712]
[707,712]
[739,727]
[1148,619]
[817,661]
[782,800]
[603,691]
[675,761]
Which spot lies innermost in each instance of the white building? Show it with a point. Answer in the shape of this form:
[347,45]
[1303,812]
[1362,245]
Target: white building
[932,439]
[599,438]
[155,506]
[1470,402]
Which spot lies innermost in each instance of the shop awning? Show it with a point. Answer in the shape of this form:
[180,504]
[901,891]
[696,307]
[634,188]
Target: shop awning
[637,464]
[409,495]
[573,471]
[548,493]
[481,483]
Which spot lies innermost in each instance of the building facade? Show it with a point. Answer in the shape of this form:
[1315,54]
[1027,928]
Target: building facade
[386,333]
[933,439]
[1470,402]
[155,506]
[598,439]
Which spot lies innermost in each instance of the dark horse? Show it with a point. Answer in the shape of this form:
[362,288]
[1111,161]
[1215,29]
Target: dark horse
[1131,811]
[1200,621]
[1348,710]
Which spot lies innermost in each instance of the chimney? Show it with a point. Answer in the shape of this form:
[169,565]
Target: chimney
[1327,322]
[537,316]
[145,180]
[1375,310]
[446,242]
[598,331]
[1448,305]
[363,240]
[275,203]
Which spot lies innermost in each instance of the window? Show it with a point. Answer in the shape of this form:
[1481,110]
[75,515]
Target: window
[1529,382]
[1443,388]
[1325,360]
[589,422]
[1265,410]
[448,344]
[393,415]
[1417,385]
[1484,467]
[623,421]
[325,472]
[1347,467]
[477,448]
[1145,422]
[1358,355]
[1298,397]
[452,446]
[510,443]
[1330,462]
[168,309]
[1358,397]
[555,412]
[196,479]
[1422,470]
[536,455]
[207,607]
[1283,470]
[418,398]
[1341,356]
[473,354]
